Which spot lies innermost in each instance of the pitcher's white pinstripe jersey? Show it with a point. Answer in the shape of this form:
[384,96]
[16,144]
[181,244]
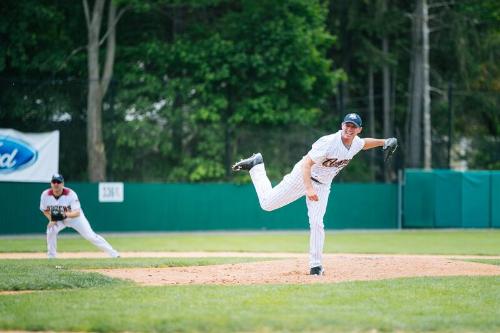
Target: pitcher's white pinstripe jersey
[330,156]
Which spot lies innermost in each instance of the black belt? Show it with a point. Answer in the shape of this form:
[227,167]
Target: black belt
[316,181]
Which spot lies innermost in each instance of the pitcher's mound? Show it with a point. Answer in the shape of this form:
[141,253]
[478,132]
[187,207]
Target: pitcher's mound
[338,268]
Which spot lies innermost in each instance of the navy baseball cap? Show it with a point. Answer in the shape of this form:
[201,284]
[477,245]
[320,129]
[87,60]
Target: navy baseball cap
[57,178]
[353,118]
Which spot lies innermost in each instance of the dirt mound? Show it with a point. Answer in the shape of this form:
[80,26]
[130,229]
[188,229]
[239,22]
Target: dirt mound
[287,268]
[339,268]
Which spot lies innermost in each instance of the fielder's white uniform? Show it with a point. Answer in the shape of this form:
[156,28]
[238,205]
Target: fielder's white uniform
[69,202]
[330,156]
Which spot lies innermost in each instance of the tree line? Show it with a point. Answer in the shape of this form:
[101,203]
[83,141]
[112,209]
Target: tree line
[169,90]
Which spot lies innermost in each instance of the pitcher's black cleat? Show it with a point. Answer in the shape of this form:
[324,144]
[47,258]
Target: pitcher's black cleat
[248,163]
[318,270]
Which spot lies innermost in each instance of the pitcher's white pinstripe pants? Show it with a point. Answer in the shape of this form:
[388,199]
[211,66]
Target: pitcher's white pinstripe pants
[288,190]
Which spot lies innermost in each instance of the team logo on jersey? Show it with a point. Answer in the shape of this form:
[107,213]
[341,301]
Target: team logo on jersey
[15,154]
[335,163]
[63,208]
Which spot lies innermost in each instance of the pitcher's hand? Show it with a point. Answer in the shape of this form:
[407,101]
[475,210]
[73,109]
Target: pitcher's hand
[311,195]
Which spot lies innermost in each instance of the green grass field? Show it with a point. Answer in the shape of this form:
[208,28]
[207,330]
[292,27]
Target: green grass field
[39,274]
[473,242]
[433,304]
[71,300]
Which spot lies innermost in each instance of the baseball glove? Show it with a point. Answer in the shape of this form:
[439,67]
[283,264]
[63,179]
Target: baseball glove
[390,146]
[57,214]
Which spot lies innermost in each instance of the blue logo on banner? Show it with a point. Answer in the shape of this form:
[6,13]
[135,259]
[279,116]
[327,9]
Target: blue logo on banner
[15,154]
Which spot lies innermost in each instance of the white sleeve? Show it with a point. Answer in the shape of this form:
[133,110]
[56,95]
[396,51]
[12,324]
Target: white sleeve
[319,150]
[358,144]
[74,202]
[43,202]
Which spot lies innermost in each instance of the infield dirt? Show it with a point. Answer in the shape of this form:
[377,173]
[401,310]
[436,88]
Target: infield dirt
[287,268]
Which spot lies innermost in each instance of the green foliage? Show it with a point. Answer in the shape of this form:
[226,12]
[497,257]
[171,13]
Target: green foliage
[193,77]
[198,169]
[24,47]
[253,63]
[472,35]
[280,74]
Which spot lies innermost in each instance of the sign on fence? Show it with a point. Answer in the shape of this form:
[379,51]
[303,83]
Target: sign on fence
[110,192]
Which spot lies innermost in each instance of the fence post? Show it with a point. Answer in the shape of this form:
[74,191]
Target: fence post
[450,121]
[400,199]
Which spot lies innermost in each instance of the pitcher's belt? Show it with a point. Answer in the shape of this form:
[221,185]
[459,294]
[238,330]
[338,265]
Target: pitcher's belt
[316,181]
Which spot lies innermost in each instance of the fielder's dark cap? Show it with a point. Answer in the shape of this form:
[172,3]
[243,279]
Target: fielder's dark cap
[353,118]
[57,178]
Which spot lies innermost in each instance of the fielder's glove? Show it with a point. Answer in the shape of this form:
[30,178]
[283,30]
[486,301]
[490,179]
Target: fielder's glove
[390,146]
[57,214]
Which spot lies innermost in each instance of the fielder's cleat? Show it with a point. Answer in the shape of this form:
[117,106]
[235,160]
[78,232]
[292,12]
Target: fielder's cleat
[318,270]
[248,163]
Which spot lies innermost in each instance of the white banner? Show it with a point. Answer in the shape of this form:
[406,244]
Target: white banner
[28,157]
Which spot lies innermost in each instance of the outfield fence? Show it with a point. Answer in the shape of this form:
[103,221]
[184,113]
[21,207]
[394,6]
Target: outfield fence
[434,199]
[187,207]
[451,199]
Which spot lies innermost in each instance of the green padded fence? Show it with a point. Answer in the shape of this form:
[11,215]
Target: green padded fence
[418,202]
[451,199]
[447,199]
[476,201]
[185,207]
[495,199]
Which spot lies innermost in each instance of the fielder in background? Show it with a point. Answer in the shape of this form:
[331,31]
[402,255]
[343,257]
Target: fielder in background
[62,208]
[312,176]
